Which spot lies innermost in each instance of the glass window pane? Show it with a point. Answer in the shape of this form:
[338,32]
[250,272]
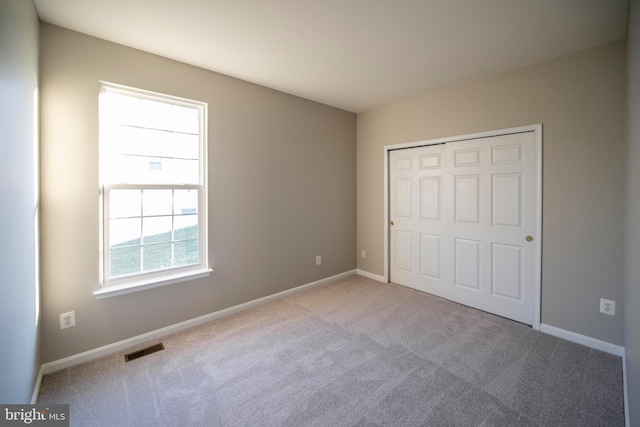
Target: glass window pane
[185,202]
[148,142]
[124,232]
[185,119]
[125,261]
[124,203]
[116,169]
[157,202]
[178,145]
[156,257]
[179,171]
[136,111]
[185,227]
[120,169]
[162,115]
[156,229]
[116,108]
[186,252]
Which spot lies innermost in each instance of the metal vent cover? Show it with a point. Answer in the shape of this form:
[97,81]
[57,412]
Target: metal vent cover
[145,351]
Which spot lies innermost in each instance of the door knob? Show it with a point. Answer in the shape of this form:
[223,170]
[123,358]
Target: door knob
[529,238]
[392,223]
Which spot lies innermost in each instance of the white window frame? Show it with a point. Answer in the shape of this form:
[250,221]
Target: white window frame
[108,286]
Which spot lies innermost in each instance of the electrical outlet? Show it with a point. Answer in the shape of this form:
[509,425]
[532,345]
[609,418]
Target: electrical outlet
[364,254]
[68,320]
[318,260]
[607,307]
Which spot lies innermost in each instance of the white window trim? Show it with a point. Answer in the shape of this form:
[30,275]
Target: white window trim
[169,276]
[150,283]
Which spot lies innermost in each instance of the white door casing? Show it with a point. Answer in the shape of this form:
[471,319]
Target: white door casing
[463,211]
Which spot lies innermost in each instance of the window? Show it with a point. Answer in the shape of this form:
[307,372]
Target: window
[153,193]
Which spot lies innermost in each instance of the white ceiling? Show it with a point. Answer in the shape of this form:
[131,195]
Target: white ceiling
[353,54]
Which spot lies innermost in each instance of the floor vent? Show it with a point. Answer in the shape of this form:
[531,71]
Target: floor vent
[140,353]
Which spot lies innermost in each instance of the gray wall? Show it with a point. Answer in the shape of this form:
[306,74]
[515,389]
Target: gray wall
[581,101]
[632,295]
[282,190]
[19,319]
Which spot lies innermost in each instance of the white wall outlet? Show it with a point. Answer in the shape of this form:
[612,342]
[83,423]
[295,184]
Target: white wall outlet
[68,320]
[364,253]
[318,260]
[607,307]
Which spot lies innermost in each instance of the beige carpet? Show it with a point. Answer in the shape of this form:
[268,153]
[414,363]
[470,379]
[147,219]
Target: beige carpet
[353,353]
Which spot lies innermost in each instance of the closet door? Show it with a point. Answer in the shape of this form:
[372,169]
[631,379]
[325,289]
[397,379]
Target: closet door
[420,235]
[463,220]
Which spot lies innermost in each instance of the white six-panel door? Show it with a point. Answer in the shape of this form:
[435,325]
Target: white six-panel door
[463,222]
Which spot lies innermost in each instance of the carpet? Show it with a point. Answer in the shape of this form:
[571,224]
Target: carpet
[352,353]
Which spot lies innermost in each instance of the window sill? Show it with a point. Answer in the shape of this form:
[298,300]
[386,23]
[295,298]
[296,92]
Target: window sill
[142,285]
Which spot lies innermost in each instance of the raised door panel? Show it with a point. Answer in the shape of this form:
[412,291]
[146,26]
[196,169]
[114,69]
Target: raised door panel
[467,157]
[507,200]
[467,198]
[403,250]
[506,271]
[467,263]
[430,256]
[430,198]
[507,154]
[430,161]
[402,197]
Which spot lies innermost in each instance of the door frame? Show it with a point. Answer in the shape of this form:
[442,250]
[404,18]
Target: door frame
[537,131]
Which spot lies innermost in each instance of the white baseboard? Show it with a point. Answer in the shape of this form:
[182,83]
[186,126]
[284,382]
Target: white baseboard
[36,387]
[96,353]
[370,275]
[625,391]
[616,350]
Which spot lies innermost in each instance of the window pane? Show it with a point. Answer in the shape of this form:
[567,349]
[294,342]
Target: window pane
[181,171]
[156,257]
[136,141]
[149,170]
[115,108]
[186,252]
[133,111]
[186,227]
[157,202]
[156,229]
[125,261]
[161,115]
[124,203]
[124,232]
[185,202]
